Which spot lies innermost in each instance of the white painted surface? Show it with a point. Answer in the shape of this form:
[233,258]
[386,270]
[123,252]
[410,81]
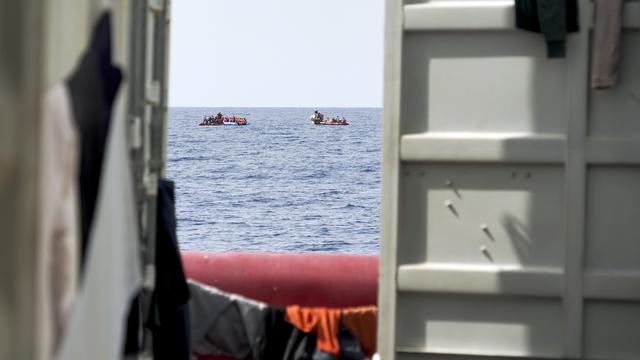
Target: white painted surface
[512,191]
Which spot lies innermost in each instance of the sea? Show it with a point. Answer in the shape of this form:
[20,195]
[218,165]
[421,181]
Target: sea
[279,184]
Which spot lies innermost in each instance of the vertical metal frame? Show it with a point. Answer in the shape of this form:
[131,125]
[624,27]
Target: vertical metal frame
[148,105]
[22,80]
[576,183]
[418,16]
[389,208]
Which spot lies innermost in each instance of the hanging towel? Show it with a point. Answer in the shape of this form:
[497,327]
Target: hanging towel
[325,322]
[58,227]
[361,322]
[553,18]
[112,275]
[606,43]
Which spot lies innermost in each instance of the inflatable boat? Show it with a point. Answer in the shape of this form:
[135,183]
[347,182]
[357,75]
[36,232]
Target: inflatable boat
[227,120]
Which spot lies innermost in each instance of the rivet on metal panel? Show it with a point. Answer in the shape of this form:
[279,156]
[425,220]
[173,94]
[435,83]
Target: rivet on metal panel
[449,183]
[486,253]
[514,175]
[449,205]
[485,229]
[527,175]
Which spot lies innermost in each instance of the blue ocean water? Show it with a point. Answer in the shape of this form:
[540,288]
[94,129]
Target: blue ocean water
[279,184]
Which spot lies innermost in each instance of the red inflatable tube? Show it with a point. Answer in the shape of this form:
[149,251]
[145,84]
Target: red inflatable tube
[331,280]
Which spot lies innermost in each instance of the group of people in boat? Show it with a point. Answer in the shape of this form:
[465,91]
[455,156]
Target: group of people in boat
[213,120]
[318,118]
[218,119]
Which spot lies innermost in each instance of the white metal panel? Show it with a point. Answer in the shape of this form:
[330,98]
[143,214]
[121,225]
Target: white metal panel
[455,211]
[462,15]
[483,147]
[614,112]
[483,279]
[613,237]
[611,330]
[479,325]
[510,231]
[481,82]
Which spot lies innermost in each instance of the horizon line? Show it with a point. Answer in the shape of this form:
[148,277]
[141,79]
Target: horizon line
[272,107]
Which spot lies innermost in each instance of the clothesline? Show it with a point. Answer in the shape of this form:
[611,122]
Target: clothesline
[225,324]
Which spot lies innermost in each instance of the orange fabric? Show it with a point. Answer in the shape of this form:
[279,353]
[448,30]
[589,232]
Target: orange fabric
[325,322]
[361,322]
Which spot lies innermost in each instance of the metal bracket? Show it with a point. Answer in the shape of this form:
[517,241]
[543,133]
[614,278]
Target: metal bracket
[151,183]
[156,5]
[136,132]
[149,282]
[153,93]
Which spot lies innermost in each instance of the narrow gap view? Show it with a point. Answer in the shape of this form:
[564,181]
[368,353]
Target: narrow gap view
[253,171]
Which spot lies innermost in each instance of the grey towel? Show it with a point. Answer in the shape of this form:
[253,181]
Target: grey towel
[224,324]
[606,43]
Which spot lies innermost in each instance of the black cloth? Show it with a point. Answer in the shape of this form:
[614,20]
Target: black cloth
[284,341]
[169,315]
[93,87]
[133,337]
[169,320]
[553,18]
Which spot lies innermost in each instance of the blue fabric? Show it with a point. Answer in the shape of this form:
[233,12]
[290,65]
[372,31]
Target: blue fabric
[93,87]
[349,348]
[169,320]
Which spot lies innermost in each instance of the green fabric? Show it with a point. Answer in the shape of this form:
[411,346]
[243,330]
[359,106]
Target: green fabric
[553,18]
[552,15]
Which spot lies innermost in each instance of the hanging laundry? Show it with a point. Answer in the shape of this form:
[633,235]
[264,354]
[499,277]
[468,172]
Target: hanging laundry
[284,341]
[324,322]
[607,27]
[169,305]
[224,324]
[93,88]
[362,323]
[58,222]
[553,18]
[112,275]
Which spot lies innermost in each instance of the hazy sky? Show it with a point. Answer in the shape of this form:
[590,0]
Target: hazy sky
[307,53]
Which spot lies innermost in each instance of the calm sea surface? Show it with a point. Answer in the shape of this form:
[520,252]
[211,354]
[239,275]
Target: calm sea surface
[279,184]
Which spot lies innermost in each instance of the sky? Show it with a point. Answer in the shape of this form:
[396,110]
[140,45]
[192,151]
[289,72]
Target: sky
[276,53]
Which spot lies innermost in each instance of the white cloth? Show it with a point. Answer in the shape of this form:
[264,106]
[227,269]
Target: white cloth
[58,219]
[112,274]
